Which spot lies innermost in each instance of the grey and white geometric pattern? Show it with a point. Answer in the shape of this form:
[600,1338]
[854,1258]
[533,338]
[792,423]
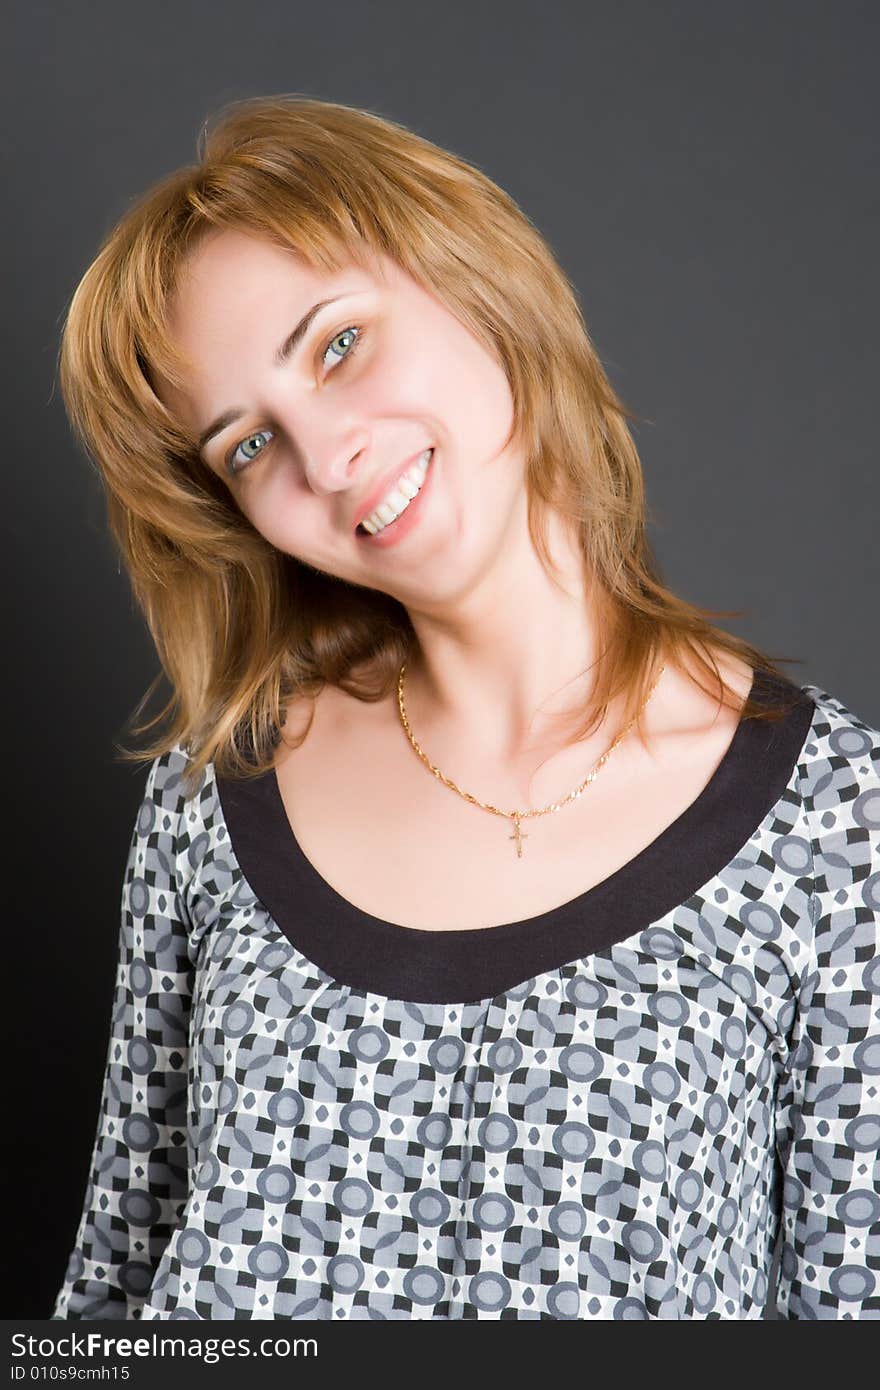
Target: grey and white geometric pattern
[617,1137]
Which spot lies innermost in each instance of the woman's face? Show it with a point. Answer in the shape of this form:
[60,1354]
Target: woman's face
[377,377]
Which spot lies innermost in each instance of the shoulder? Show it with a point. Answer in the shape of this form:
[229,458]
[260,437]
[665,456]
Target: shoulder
[322,724]
[839,775]
[683,714]
[840,740]
[180,825]
[841,753]
[171,785]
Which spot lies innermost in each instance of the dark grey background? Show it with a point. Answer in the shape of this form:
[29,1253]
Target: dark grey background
[707,175]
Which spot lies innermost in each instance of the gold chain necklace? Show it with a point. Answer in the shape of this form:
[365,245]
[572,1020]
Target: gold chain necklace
[517,816]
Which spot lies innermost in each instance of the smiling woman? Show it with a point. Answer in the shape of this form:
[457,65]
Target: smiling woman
[576,1025]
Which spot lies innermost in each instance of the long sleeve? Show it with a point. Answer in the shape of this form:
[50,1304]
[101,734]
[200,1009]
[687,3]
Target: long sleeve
[828,1105]
[138,1173]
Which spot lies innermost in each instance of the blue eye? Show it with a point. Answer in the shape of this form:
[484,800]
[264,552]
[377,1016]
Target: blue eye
[257,434]
[346,333]
[355,334]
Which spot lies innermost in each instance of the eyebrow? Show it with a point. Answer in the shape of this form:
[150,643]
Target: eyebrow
[286,349]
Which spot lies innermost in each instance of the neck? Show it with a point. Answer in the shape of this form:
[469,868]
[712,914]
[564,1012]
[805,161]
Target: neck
[501,668]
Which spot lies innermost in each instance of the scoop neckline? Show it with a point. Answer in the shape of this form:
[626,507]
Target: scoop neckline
[430,965]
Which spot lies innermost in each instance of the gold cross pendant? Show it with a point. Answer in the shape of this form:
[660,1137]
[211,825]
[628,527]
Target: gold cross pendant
[518,836]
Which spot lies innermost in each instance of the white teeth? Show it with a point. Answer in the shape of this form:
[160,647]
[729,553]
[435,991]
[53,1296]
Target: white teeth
[398,499]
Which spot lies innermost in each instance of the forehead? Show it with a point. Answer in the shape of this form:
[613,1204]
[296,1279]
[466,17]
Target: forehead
[234,276]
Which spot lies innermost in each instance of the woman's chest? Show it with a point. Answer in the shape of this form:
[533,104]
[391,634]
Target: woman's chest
[395,842]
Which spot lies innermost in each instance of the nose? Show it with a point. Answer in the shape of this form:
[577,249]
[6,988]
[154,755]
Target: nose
[330,438]
[334,464]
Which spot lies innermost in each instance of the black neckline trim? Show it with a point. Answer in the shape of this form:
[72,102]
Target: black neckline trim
[462,965]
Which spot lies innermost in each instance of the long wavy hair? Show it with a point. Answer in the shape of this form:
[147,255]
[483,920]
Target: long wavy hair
[241,628]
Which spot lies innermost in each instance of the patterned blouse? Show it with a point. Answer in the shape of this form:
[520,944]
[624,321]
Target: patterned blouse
[608,1110]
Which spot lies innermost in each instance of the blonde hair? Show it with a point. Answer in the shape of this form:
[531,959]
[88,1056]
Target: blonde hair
[241,628]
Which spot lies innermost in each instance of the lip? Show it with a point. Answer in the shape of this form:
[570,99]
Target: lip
[410,520]
[384,486]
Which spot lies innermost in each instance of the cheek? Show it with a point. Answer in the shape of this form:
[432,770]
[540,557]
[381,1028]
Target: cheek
[476,392]
[276,508]
[449,379]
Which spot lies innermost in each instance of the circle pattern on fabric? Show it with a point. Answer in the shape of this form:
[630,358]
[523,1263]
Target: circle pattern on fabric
[593,1142]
